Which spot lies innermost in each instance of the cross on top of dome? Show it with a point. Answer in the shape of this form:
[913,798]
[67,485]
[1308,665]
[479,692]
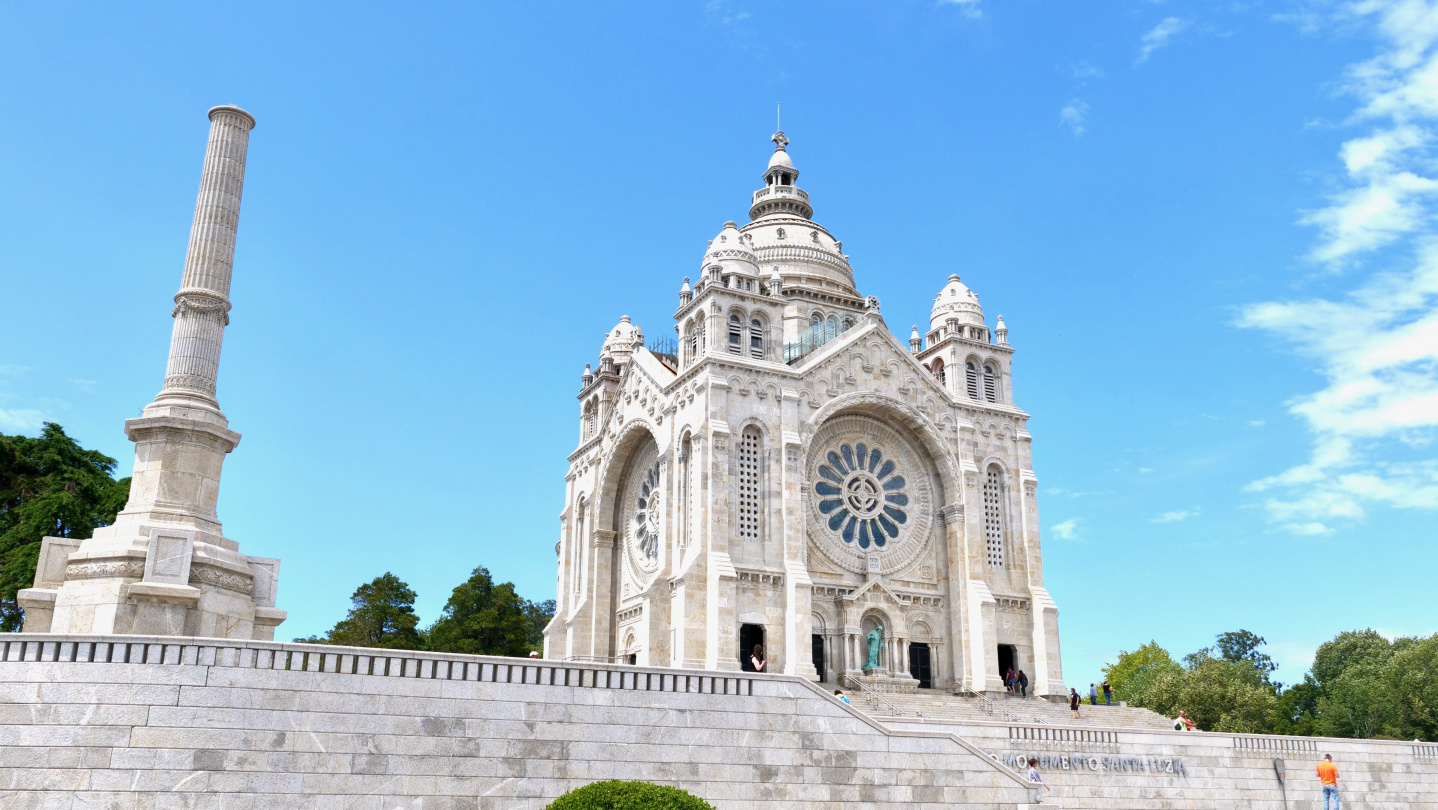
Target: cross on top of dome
[779,141]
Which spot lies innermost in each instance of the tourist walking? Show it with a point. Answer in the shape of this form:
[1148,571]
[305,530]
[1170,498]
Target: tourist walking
[1074,701]
[1092,695]
[838,693]
[756,660]
[1328,777]
[1023,683]
[1034,774]
[1107,694]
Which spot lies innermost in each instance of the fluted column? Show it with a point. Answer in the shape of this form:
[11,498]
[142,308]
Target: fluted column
[203,303]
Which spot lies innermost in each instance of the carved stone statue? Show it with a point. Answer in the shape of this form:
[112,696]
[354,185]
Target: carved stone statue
[876,639]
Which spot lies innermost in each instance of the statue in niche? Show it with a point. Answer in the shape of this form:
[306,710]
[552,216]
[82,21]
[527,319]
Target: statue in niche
[876,640]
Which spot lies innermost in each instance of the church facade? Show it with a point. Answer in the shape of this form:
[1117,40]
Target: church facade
[792,476]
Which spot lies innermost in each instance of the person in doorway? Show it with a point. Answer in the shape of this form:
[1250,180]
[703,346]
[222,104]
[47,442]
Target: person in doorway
[1092,695]
[1034,774]
[756,659]
[1023,684]
[839,693]
[1107,694]
[1074,701]
[1009,678]
[1328,777]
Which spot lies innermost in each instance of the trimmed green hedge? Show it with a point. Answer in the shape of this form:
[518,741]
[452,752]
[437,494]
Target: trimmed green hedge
[617,795]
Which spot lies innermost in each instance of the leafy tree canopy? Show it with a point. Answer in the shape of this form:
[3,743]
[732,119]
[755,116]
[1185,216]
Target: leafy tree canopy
[482,618]
[52,486]
[382,616]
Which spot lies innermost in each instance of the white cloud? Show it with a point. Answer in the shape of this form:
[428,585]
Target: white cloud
[1068,530]
[1144,470]
[969,8]
[1074,115]
[718,11]
[1178,516]
[13,369]
[1376,346]
[1257,422]
[1160,35]
[1083,71]
[20,420]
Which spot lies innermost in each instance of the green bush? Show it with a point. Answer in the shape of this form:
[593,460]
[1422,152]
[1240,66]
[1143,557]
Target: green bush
[618,795]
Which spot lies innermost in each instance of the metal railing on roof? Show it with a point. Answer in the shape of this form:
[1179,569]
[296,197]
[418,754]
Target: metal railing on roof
[814,337]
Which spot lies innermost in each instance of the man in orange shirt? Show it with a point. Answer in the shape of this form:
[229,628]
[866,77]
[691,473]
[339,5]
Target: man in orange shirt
[1328,775]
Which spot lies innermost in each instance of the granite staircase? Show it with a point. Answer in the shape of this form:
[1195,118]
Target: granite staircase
[944,706]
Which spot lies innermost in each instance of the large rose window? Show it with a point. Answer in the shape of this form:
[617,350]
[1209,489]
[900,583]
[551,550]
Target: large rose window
[870,495]
[646,516]
[862,495]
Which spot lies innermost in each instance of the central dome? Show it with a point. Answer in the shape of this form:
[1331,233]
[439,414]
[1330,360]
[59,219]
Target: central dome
[955,301]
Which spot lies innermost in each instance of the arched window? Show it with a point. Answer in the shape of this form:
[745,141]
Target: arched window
[749,500]
[846,325]
[700,347]
[939,370]
[591,418]
[832,325]
[971,378]
[756,339]
[691,343]
[994,517]
[735,336]
[816,319]
[781,230]
[991,386]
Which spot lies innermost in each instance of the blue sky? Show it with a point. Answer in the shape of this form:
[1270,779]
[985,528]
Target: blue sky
[1209,227]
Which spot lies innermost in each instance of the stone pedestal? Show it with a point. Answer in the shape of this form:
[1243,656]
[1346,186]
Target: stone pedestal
[877,681]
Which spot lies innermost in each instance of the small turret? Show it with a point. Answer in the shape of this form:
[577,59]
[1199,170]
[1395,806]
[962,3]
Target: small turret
[685,293]
[587,378]
[916,343]
[1001,332]
[776,283]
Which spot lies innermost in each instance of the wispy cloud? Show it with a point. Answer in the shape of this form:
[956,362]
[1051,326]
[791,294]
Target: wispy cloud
[1178,516]
[20,420]
[1068,530]
[1074,115]
[1084,71]
[1377,345]
[12,368]
[969,8]
[1160,36]
[719,11]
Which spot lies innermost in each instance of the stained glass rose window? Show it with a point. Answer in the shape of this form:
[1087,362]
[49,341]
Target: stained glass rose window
[646,515]
[861,495]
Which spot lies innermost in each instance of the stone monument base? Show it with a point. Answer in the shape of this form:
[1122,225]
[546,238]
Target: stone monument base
[878,681]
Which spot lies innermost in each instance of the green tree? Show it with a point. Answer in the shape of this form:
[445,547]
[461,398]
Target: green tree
[539,615]
[1348,649]
[1413,679]
[1298,709]
[382,615]
[1241,645]
[482,618]
[52,486]
[1134,672]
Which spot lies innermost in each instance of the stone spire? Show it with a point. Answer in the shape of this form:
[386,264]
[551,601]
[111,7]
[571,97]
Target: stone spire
[165,567]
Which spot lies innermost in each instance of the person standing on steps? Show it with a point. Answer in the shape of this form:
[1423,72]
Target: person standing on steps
[1074,701]
[1023,683]
[1092,695]
[1328,777]
[1034,775]
[1107,694]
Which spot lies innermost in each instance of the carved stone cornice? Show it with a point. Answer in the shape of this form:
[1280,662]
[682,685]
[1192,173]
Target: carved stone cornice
[201,574]
[129,568]
[604,538]
[952,513]
[201,303]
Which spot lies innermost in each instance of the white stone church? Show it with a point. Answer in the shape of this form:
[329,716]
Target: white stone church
[792,475]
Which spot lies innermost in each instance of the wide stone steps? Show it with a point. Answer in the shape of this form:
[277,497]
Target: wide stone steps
[940,705]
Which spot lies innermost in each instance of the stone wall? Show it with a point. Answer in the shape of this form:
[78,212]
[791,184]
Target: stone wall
[139,723]
[131,722]
[1105,768]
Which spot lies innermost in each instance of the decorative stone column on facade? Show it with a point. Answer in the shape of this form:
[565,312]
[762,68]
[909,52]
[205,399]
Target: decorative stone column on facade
[165,566]
[798,587]
[953,517]
[601,607]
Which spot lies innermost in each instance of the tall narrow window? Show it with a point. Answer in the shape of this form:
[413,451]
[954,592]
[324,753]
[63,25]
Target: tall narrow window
[756,339]
[691,347]
[686,447]
[939,369]
[591,419]
[749,483]
[971,376]
[700,347]
[991,385]
[994,518]
[734,336]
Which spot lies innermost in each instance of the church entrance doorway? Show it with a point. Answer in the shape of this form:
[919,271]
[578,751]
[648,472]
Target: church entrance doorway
[750,635]
[919,666]
[1008,659]
[816,645]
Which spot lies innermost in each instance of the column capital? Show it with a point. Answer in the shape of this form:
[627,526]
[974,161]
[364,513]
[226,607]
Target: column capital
[952,513]
[604,538]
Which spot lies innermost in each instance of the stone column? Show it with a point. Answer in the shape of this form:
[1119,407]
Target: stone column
[601,590]
[165,566]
